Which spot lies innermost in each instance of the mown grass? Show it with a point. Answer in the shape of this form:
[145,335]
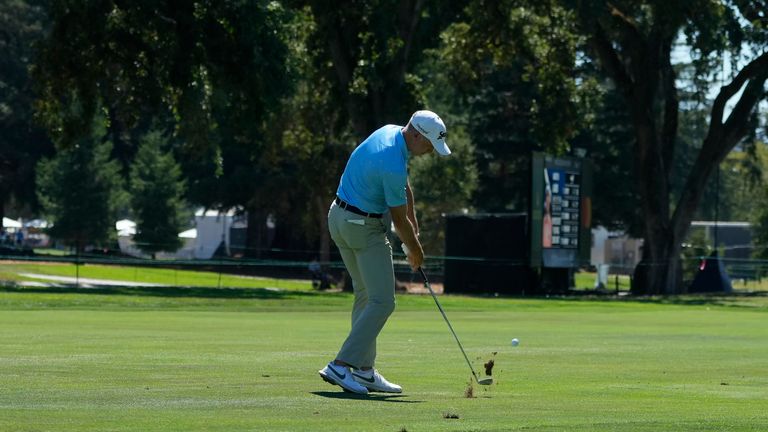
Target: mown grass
[586,281]
[199,359]
[13,271]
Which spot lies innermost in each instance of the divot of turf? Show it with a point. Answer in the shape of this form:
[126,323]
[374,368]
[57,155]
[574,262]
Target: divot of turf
[469,393]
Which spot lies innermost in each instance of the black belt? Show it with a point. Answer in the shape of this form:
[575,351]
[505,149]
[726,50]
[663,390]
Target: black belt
[349,207]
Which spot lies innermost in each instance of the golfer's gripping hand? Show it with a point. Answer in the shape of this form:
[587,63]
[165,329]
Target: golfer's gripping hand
[415,260]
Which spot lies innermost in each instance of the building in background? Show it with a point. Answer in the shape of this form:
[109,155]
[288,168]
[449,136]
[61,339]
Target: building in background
[215,233]
[615,249]
[734,239]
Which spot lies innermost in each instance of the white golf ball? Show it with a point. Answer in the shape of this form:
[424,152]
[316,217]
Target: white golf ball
[515,342]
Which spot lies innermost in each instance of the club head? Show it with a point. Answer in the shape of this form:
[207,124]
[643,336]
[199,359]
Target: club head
[485,381]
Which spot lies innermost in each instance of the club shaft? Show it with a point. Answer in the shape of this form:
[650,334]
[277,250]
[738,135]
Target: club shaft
[450,327]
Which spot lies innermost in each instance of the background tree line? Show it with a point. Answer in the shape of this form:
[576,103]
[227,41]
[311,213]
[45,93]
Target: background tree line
[256,105]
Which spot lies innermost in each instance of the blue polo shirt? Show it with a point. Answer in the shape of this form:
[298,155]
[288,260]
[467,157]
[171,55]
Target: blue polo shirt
[376,172]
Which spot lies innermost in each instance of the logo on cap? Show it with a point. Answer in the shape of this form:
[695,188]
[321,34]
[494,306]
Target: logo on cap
[441,136]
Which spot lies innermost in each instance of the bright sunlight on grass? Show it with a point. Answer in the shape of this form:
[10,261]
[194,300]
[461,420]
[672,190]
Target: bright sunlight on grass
[197,359]
[16,271]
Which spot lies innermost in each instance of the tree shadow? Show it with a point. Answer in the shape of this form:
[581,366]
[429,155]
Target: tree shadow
[691,299]
[708,299]
[370,397]
[712,299]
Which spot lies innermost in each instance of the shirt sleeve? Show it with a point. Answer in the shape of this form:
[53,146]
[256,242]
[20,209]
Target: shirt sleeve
[394,189]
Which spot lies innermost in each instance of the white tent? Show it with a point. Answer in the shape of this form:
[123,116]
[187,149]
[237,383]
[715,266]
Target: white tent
[187,250]
[125,227]
[37,224]
[10,223]
[189,234]
[212,229]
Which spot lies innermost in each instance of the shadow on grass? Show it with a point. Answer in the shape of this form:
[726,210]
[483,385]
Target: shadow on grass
[369,397]
[704,299]
[696,299]
[749,300]
[171,292]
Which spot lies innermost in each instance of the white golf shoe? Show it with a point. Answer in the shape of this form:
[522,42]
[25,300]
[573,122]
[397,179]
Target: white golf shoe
[373,381]
[342,377]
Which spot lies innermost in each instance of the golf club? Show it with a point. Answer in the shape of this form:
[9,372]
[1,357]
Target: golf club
[484,381]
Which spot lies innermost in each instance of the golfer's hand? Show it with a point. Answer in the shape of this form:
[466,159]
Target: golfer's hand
[416,258]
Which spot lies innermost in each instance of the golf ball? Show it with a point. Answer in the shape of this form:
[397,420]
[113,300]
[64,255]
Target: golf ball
[515,342]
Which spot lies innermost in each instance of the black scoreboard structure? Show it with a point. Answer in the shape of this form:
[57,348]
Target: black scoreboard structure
[525,253]
[487,253]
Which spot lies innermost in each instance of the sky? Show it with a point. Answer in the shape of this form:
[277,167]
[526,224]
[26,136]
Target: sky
[681,54]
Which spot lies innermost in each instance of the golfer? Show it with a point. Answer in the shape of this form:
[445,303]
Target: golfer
[375,181]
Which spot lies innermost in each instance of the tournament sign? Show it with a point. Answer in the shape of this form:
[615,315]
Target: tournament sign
[561,211]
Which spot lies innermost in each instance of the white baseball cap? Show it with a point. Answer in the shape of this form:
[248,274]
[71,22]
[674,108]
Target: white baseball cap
[431,126]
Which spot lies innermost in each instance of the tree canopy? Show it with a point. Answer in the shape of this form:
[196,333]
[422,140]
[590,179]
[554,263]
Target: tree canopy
[157,197]
[22,141]
[262,102]
[633,43]
[81,190]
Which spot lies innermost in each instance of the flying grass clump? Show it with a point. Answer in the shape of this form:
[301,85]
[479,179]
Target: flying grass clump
[489,367]
[490,364]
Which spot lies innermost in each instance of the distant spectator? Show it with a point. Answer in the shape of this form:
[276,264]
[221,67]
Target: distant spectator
[19,238]
[314,266]
[320,279]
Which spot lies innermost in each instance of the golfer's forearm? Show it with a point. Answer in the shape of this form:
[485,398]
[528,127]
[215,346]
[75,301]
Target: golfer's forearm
[405,229]
[408,235]
[411,213]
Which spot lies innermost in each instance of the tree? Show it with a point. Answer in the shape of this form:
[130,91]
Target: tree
[352,79]
[217,68]
[80,189]
[316,141]
[442,185]
[511,65]
[22,142]
[157,191]
[759,218]
[368,51]
[633,43]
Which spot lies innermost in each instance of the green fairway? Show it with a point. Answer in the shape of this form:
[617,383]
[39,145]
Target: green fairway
[246,360]
[16,271]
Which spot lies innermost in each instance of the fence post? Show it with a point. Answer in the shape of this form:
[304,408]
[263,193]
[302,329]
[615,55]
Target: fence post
[220,266]
[77,264]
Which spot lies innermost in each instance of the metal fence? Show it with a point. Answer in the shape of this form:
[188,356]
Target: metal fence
[27,268]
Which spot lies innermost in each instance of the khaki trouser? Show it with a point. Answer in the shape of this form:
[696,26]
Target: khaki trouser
[367,255]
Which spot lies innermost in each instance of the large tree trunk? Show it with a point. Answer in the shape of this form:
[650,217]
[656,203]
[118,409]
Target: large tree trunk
[659,271]
[638,62]
[255,233]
